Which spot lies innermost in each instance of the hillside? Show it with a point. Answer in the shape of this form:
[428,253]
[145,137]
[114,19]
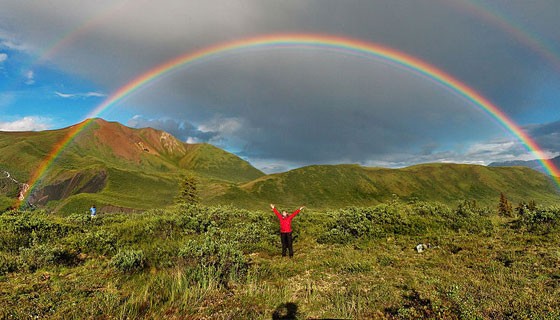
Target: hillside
[115,165]
[120,168]
[344,185]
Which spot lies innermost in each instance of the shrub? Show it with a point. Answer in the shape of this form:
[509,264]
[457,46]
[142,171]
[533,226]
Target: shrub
[100,241]
[36,224]
[8,263]
[538,219]
[195,218]
[78,219]
[214,259]
[129,260]
[252,235]
[11,241]
[398,218]
[373,222]
[470,218]
[43,255]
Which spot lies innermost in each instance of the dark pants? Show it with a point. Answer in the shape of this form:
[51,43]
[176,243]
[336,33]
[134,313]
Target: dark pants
[287,243]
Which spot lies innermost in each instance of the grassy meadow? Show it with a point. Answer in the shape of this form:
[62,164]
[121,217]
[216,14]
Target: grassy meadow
[202,262]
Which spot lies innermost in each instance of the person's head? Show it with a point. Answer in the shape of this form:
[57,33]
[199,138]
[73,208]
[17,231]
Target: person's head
[284,213]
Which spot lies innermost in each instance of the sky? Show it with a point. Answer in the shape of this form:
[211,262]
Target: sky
[285,107]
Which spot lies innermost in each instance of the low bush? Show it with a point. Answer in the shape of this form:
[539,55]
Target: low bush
[8,263]
[39,225]
[79,219]
[129,260]
[11,241]
[214,259]
[373,222]
[396,218]
[538,219]
[43,255]
[102,242]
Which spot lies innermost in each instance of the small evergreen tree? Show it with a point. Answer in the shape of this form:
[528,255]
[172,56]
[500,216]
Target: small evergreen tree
[532,205]
[504,207]
[521,208]
[188,192]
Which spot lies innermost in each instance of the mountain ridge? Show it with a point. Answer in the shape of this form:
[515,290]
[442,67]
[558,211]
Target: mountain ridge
[121,167]
[533,164]
[349,185]
[115,158]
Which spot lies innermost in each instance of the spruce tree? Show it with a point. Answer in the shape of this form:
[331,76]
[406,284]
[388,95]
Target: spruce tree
[504,207]
[188,192]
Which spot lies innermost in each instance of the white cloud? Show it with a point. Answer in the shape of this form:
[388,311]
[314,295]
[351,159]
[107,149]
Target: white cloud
[11,45]
[30,77]
[221,125]
[270,166]
[223,132]
[193,140]
[79,95]
[7,41]
[181,129]
[26,124]
[3,57]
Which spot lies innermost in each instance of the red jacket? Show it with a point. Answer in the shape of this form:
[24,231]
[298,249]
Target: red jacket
[285,223]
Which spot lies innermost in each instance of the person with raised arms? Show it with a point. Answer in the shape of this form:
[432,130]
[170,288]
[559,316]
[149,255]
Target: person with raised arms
[286,229]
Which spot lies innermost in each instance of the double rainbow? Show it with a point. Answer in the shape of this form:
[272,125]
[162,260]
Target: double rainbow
[322,42]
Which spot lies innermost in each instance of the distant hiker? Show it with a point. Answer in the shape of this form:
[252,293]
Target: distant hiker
[93,211]
[286,229]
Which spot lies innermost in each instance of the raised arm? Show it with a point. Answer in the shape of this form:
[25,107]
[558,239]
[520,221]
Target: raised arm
[275,211]
[298,210]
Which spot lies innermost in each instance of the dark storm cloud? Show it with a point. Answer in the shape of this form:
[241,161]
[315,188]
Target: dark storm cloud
[546,135]
[307,106]
[318,108]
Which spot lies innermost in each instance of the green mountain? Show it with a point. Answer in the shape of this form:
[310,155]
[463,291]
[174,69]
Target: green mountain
[120,168]
[115,166]
[346,185]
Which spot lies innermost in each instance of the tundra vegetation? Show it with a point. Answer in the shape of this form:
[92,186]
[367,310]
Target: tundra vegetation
[196,261]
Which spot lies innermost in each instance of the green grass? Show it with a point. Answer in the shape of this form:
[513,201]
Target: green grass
[223,263]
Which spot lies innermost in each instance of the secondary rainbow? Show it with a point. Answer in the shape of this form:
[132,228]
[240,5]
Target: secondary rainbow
[315,41]
[481,10]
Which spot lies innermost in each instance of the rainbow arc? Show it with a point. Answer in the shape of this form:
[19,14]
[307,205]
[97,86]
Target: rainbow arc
[316,41]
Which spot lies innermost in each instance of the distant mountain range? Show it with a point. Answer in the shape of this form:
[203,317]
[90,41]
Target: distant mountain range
[121,168]
[533,164]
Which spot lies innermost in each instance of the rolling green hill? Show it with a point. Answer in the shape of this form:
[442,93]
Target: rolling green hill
[120,168]
[345,185]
